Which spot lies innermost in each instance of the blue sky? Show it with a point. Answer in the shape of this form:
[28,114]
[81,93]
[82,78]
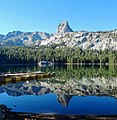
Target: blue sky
[45,15]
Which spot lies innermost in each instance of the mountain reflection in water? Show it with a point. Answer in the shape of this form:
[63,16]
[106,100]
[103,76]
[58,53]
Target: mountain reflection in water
[63,90]
[69,81]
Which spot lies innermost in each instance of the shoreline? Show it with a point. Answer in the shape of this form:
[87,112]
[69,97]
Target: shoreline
[82,64]
[7,114]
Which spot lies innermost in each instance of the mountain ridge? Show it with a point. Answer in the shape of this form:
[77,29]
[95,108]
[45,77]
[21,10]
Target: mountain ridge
[64,37]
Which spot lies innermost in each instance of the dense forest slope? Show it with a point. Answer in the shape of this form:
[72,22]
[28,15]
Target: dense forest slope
[29,55]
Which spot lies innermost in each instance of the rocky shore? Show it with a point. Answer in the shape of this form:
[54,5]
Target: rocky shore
[7,114]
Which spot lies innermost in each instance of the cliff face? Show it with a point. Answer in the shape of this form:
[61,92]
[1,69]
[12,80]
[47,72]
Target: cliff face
[72,87]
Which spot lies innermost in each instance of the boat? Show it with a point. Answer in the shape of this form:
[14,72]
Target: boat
[44,63]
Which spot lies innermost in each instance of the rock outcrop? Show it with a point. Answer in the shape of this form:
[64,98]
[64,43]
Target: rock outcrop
[64,27]
[84,40]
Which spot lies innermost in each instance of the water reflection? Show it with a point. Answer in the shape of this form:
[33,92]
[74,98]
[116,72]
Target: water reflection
[68,83]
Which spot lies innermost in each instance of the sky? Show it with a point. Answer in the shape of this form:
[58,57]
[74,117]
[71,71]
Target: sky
[45,15]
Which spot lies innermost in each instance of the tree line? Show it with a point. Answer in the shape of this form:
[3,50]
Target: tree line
[29,55]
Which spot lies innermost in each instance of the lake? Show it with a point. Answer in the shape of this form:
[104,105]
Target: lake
[77,90]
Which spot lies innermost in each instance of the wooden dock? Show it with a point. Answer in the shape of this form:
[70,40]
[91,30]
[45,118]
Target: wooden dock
[4,78]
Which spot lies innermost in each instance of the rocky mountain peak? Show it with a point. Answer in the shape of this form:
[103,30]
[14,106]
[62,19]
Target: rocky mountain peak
[13,34]
[64,27]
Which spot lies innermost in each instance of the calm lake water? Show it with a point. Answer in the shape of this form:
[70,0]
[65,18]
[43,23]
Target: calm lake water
[74,90]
